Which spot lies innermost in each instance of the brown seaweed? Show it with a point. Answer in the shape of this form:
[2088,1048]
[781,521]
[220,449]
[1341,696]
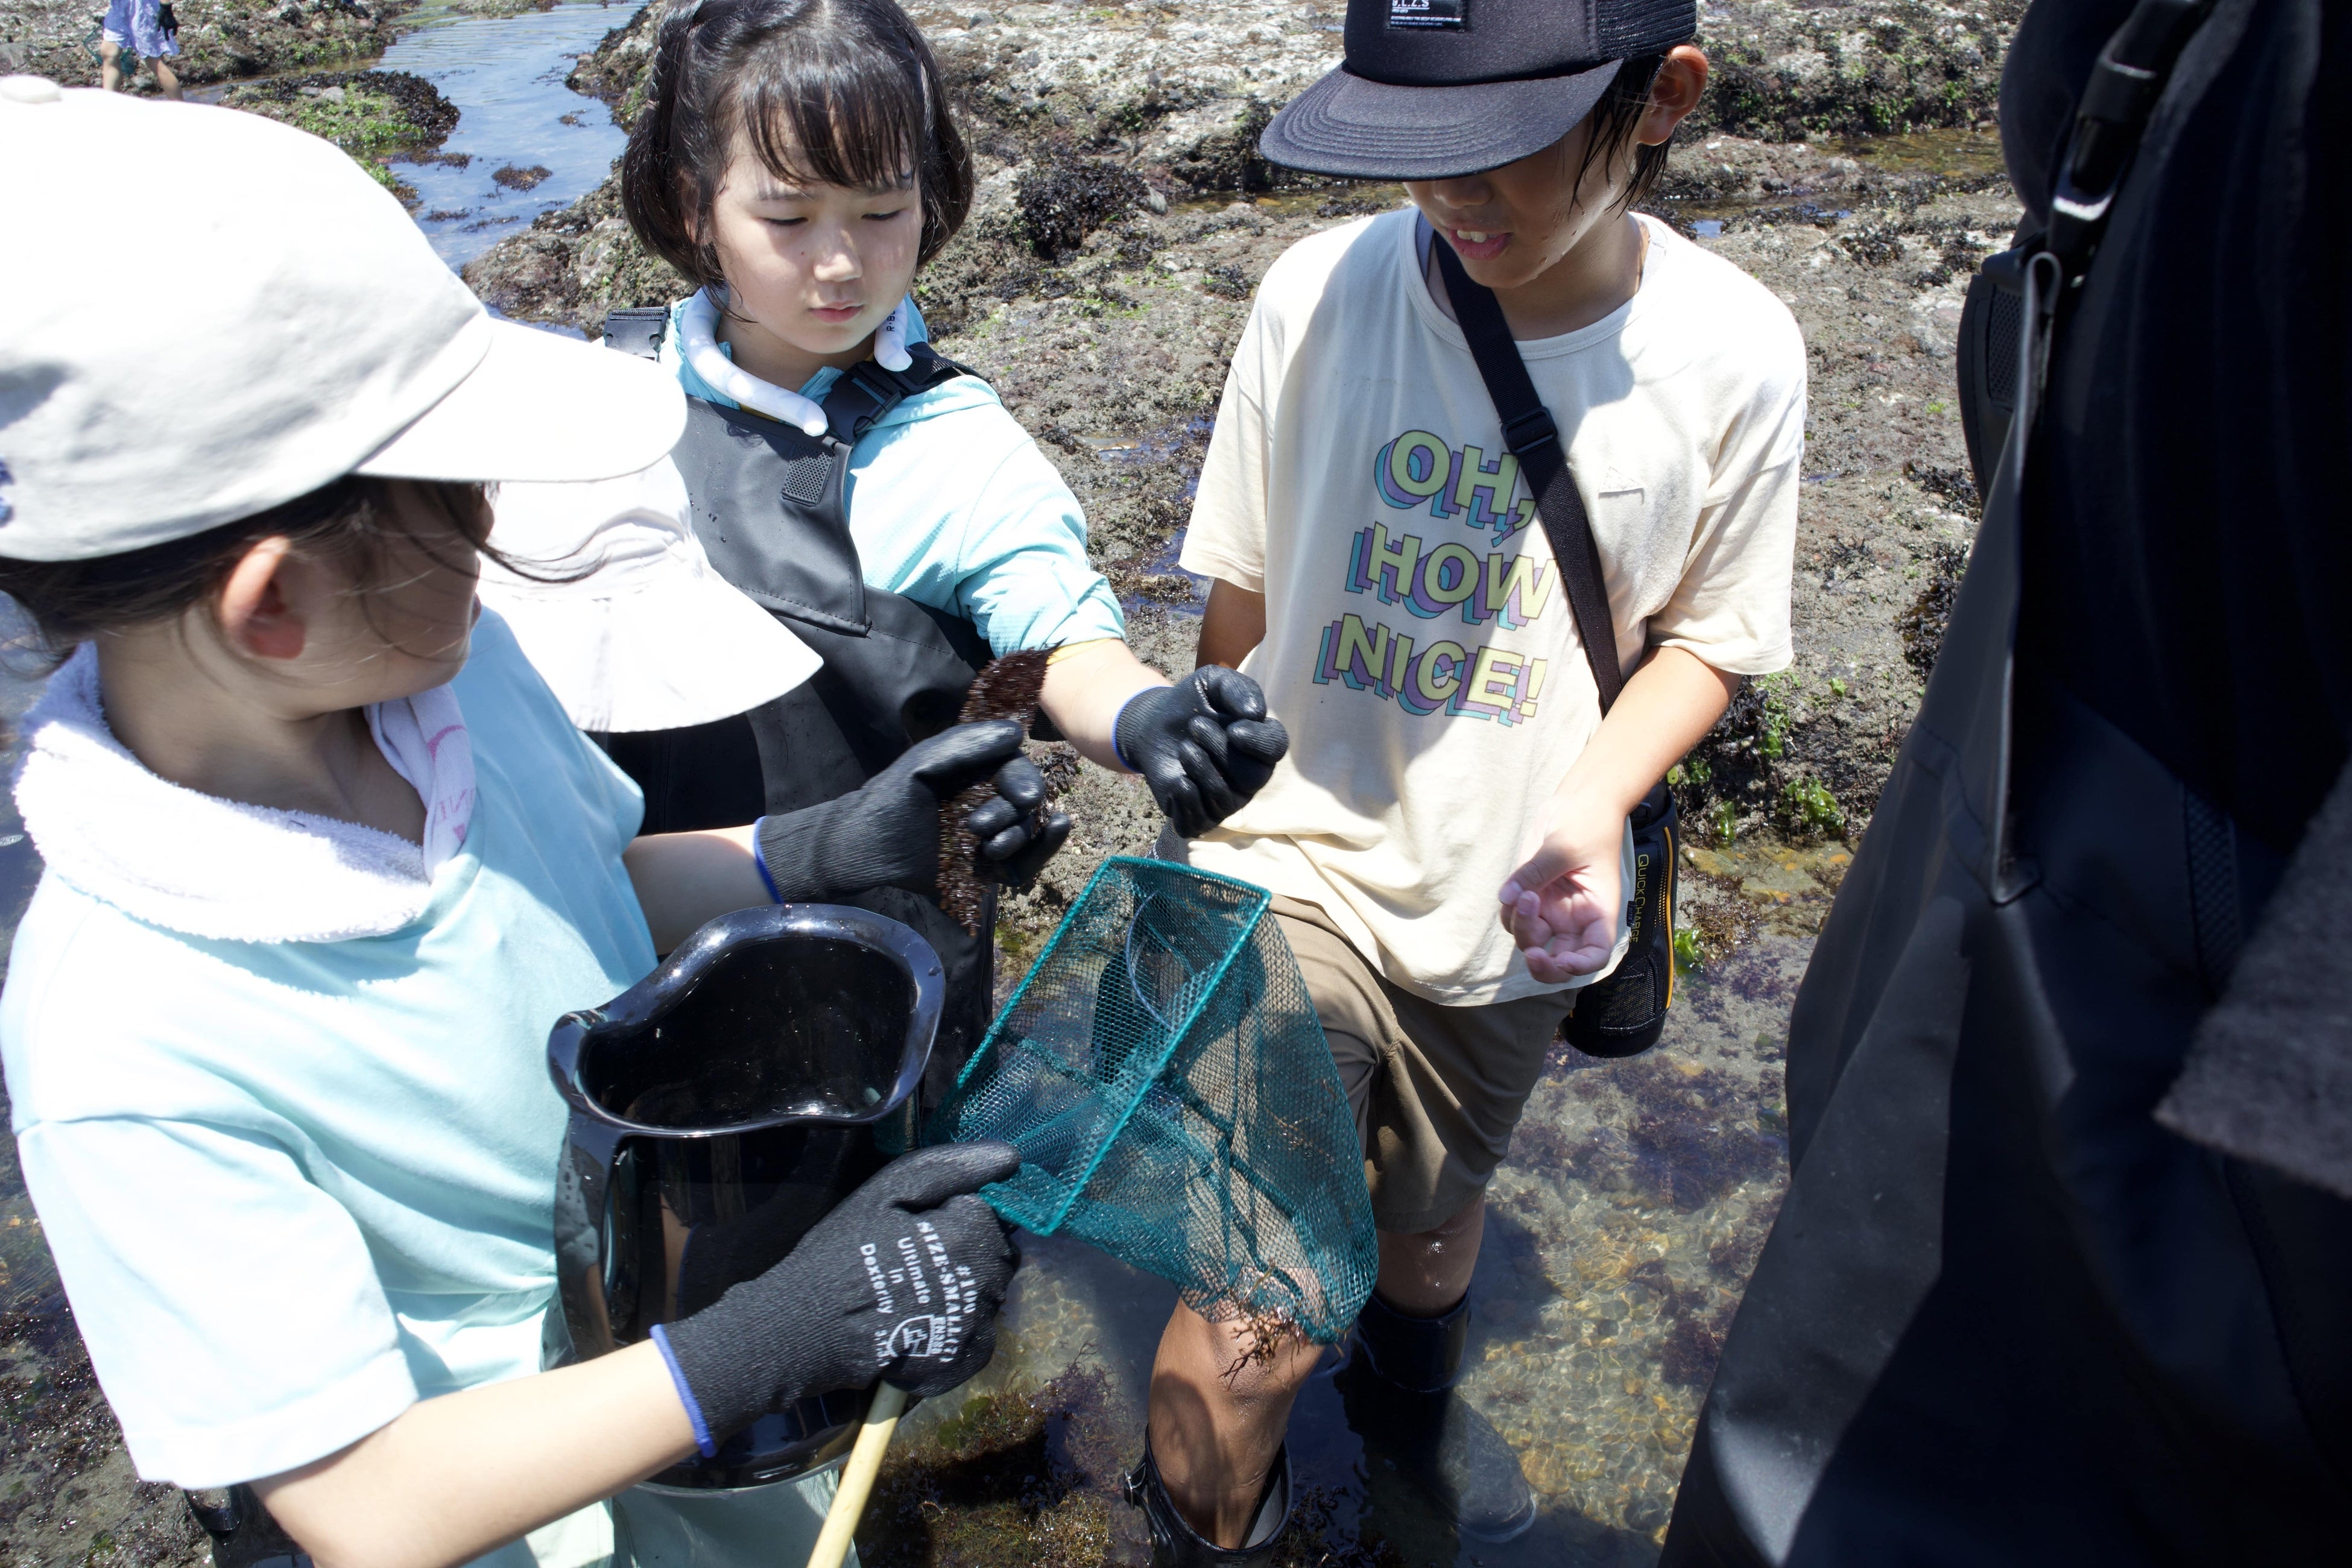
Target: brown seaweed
[1006,687]
[1264,1332]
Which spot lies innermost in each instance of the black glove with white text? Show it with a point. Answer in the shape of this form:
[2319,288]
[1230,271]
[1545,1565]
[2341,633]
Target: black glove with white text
[886,833]
[1204,745]
[901,1281]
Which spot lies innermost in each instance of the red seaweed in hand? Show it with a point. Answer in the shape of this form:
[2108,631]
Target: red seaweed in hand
[1005,687]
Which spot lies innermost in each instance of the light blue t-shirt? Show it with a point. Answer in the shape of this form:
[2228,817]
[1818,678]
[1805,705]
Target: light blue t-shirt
[952,505]
[294,1186]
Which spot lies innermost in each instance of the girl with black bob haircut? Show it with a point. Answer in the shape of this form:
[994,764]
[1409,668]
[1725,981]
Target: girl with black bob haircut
[798,162]
[836,92]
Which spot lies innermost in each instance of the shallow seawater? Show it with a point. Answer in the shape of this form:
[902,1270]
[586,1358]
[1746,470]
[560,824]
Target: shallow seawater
[1957,153]
[525,143]
[1952,153]
[515,117]
[1620,1233]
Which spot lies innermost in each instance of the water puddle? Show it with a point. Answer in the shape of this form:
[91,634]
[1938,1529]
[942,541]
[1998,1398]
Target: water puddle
[1167,585]
[1956,154]
[1959,155]
[1778,879]
[1347,198]
[525,143]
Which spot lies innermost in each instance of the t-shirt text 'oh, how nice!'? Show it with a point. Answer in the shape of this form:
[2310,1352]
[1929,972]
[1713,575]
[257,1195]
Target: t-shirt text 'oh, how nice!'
[1432,577]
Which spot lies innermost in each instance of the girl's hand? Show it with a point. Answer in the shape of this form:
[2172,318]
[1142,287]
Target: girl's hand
[902,1280]
[1205,745]
[885,833]
[1563,905]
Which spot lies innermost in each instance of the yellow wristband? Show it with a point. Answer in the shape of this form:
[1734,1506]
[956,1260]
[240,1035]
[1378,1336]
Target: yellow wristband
[1068,648]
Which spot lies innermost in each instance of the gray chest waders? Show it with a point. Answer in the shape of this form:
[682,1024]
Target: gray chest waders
[768,505]
[2004,1317]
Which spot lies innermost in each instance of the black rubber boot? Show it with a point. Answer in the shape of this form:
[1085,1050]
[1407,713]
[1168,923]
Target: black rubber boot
[1176,1544]
[1397,1389]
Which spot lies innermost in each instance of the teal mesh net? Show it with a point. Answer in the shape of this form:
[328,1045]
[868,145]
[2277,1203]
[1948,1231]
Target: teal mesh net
[1163,1075]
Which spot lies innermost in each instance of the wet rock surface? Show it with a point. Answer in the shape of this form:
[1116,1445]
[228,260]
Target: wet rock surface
[219,39]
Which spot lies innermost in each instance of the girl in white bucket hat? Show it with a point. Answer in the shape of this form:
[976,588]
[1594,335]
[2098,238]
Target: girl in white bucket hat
[325,859]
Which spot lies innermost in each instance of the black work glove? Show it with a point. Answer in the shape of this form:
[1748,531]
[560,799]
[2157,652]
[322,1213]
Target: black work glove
[887,833]
[1016,837]
[1204,745]
[901,1281]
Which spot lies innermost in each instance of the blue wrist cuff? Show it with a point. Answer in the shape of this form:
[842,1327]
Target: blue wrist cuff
[1120,717]
[760,859]
[686,1396]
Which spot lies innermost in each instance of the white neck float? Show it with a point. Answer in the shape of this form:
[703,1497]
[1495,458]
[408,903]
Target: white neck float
[698,341]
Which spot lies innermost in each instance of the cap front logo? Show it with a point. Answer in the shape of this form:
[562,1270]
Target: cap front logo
[1417,13]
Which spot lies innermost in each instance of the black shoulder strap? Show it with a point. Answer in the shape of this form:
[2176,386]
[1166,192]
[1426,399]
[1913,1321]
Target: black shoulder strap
[638,330]
[1529,435]
[866,393]
[2125,81]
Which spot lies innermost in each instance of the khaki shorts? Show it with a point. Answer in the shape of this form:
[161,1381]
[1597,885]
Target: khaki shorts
[1436,1091]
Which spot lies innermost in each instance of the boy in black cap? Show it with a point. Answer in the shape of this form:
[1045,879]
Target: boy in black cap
[1447,840]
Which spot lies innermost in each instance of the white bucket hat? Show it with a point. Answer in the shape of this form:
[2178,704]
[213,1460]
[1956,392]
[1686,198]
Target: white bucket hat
[261,321]
[653,637]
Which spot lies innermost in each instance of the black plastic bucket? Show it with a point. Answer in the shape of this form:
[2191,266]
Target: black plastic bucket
[720,1107]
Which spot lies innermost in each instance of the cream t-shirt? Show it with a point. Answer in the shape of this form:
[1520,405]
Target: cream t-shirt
[1417,644]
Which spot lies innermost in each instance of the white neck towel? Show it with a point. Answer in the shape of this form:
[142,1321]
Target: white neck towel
[221,868]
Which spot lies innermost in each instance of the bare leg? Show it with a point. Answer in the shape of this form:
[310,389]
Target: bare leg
[1217,1418]
[167,78]
[110,65]
[1214,1436]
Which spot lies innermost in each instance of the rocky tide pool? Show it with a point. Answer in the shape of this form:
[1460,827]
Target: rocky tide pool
[1619,1237]
[1846,163]
[525,143]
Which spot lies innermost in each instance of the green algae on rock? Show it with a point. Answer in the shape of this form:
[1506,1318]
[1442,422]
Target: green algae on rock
[370,114]
[1784,72]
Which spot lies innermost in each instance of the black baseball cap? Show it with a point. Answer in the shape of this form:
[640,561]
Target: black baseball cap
[1433,89]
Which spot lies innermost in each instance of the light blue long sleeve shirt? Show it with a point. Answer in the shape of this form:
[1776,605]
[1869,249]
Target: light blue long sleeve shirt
[293,1187]
[952,505]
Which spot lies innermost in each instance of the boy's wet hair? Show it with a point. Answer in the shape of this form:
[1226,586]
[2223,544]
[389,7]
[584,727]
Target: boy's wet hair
[838,93]
[1615,119]
[348,522]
